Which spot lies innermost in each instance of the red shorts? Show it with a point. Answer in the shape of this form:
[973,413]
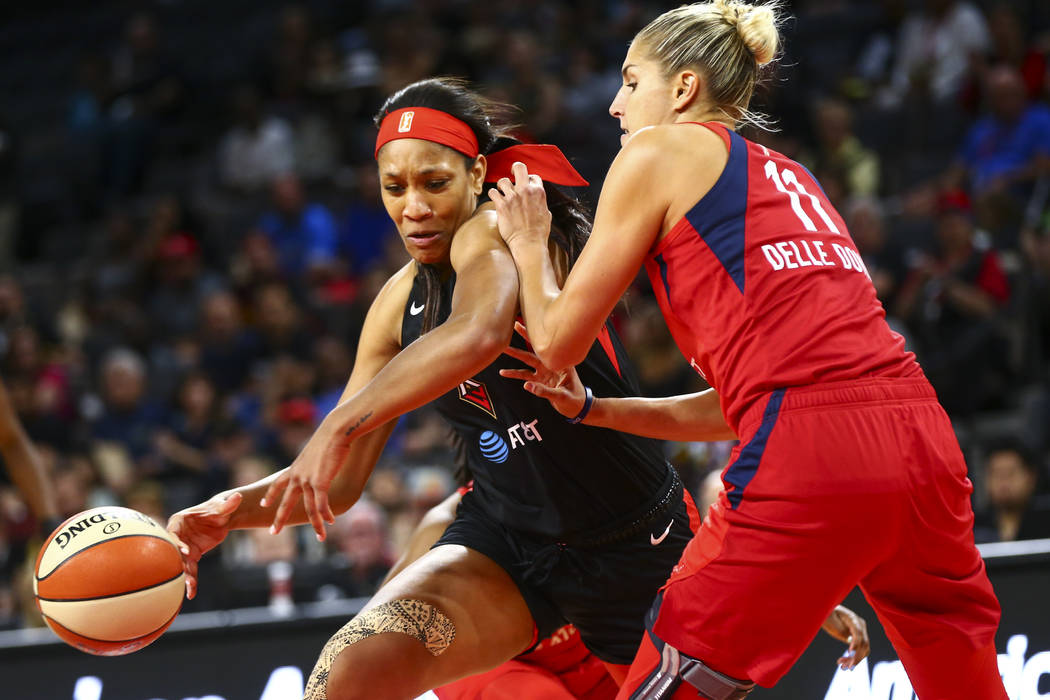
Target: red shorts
[832,486]
[558,668]
[516,679]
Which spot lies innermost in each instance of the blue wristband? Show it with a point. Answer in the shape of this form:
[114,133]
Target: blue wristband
[588,401]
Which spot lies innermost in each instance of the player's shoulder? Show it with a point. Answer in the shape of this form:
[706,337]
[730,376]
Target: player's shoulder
[394,294]
[481,225]
[665,144]
[476,235]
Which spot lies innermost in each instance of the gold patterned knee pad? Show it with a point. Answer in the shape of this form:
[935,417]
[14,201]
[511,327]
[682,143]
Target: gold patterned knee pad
[415,618]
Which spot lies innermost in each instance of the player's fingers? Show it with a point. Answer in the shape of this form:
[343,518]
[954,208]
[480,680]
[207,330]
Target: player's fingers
[536,181]
[542,390]
[313,514]
[520,172]
[524,356]
[495,197]
[189,566]
[848,660]
[284,510]
[276,486]
[860,643]
[521,374]
[231,502]
[505,186]
[182,546]
[325,507]
[522,331]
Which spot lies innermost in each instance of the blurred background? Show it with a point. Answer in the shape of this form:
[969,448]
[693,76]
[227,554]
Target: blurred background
[191,232]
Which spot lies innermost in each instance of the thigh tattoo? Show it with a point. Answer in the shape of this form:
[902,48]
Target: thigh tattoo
[415,618]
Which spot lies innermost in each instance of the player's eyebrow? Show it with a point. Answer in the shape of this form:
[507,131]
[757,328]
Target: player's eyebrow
[623,71]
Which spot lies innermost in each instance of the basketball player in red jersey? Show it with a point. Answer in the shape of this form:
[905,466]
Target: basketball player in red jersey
[769,300]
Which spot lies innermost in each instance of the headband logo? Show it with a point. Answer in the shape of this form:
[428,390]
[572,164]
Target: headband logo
[406,122]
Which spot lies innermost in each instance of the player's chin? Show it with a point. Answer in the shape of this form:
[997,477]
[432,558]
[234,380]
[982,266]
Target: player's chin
[430,255]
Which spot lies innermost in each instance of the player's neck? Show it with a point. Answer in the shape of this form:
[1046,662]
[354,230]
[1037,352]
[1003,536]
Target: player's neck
[705,115]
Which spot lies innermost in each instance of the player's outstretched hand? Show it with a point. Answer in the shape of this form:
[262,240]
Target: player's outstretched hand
[521,207]
[308,480]
[563,390]
[200,528]
[847,626]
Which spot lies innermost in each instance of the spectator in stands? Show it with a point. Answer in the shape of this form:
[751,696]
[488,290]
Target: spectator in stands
[333,362]
[279,323]
[935,48]
[838,149]
[1034,290]
[365,227]
[258,148]
[185,441]
[148,94]
[295,422]
[1004,151]
[1010,48]
[866,219]
[304,233]
[1015,511]
[364,549]
[123,433]
[950,301]
[227,350]
[287,60]
[181,286]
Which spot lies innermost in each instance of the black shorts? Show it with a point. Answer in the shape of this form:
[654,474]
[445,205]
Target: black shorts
[603,584]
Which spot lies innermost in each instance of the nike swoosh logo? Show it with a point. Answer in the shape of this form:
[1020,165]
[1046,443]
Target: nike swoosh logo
[657,540]
[415,310]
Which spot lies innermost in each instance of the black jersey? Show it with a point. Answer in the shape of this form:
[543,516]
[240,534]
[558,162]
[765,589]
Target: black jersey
[534,471]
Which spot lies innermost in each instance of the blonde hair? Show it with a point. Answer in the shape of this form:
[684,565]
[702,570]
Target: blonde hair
[726,40]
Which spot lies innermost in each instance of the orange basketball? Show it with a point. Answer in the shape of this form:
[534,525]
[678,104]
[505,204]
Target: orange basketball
[109,581]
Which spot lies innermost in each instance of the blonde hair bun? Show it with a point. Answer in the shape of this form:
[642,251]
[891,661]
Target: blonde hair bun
[756,24]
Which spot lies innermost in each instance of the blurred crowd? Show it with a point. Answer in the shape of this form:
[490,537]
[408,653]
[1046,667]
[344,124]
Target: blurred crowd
[191,232]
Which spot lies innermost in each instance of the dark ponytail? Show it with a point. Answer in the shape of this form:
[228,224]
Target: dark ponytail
[492,125]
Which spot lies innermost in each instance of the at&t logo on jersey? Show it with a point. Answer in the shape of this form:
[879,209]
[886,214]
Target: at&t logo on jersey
[493,447]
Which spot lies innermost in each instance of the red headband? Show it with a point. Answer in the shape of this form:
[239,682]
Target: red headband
[440,127]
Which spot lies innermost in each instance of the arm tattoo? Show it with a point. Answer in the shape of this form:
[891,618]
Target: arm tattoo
[359,423]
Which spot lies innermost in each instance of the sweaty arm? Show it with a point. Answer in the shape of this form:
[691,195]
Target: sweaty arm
[477,330]
[563,323]
[686,418]
[378,344]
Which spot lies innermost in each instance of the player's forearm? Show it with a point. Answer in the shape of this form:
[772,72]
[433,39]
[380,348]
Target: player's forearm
[423,371]
[687,418]
[346,488]
[558,342]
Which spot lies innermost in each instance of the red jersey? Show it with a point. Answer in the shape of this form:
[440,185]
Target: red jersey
[763,288]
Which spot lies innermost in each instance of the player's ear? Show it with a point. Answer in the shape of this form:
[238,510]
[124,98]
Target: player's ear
[477,174]
[685,89]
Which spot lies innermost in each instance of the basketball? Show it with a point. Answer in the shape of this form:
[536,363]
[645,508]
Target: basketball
[109,581]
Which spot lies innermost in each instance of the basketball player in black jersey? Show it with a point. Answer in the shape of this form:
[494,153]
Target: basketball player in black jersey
[565,523]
